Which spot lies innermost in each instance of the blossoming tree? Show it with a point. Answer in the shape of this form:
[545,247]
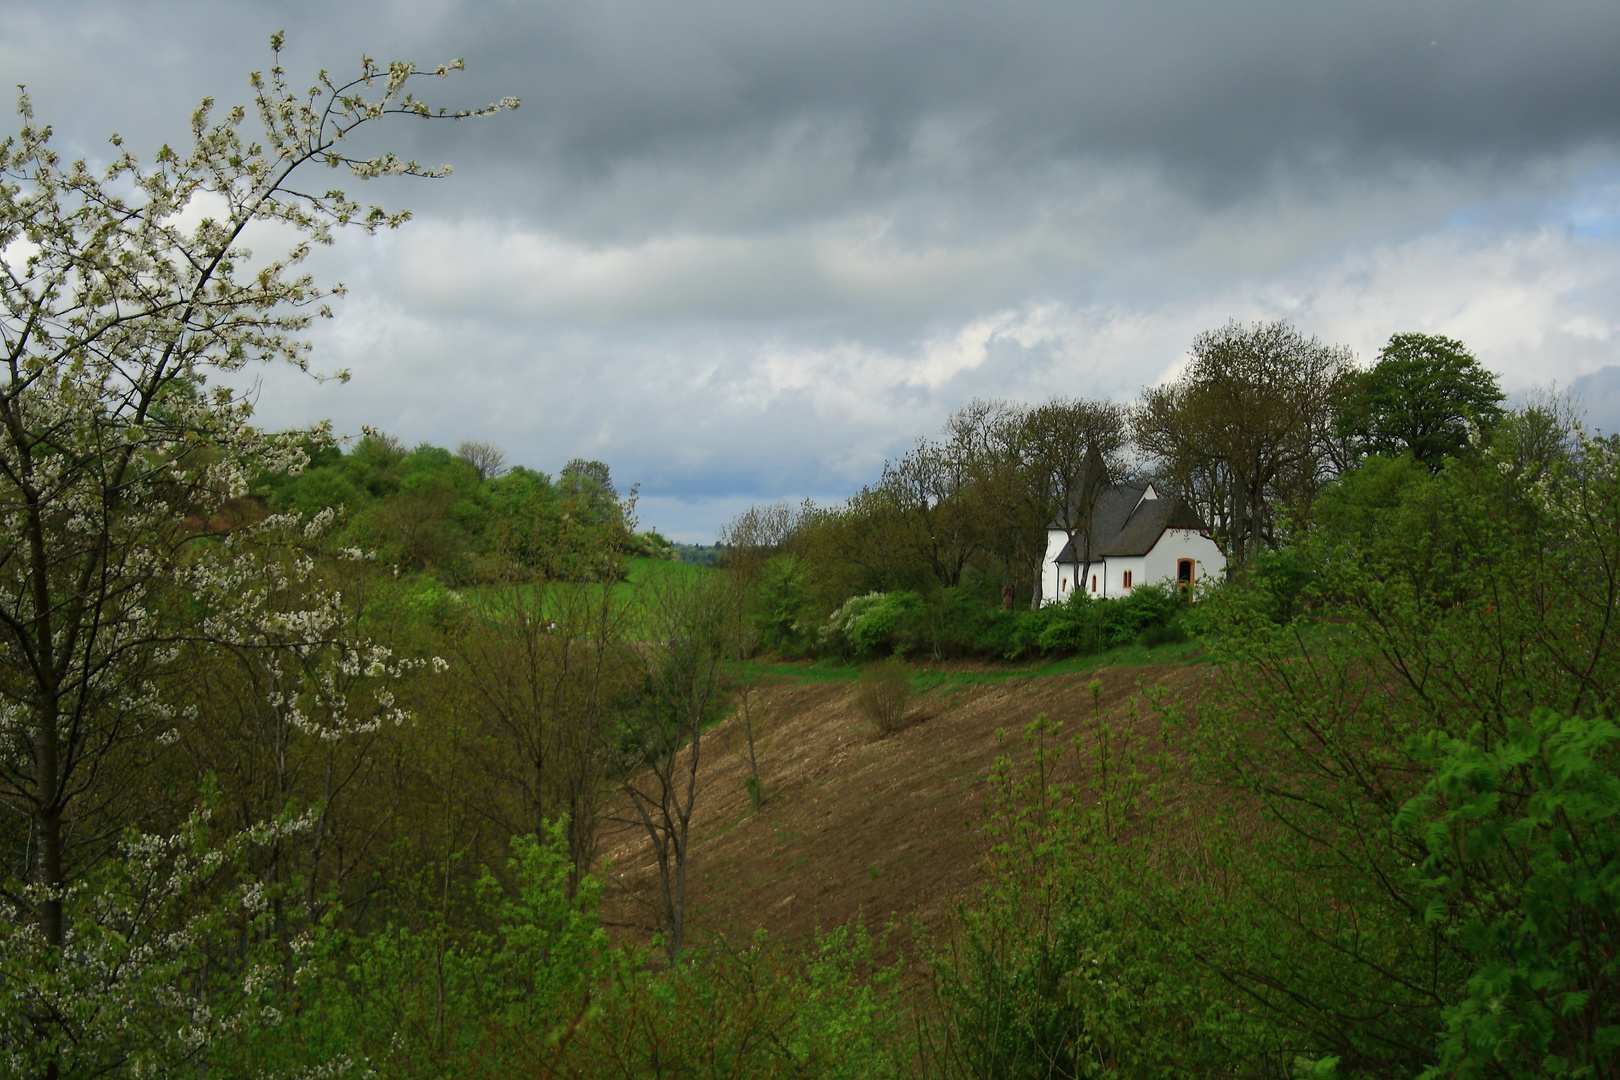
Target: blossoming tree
[125,293]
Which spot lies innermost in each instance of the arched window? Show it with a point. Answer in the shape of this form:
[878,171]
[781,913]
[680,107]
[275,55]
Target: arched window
[1184,576]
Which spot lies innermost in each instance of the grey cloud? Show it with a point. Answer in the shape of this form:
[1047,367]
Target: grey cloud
[1217,96]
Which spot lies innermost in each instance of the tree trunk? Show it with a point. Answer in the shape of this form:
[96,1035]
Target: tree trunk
[48,822]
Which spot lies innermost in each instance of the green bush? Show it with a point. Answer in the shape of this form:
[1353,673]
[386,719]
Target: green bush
[953,623]
[948,624]
[428,1000]
[1080,624]
[1524,870]
[866,625]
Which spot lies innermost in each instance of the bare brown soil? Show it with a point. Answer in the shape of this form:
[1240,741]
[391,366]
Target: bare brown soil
[854,823]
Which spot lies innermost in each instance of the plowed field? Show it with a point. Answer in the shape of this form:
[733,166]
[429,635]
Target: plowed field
[854,822]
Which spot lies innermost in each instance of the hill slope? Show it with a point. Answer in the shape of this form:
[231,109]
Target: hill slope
[855,823]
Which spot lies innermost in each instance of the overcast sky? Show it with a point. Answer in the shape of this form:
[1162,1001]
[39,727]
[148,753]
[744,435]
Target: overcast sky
[743,252]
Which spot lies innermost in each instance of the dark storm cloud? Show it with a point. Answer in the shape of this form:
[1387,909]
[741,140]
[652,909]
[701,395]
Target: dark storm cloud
[1218,96]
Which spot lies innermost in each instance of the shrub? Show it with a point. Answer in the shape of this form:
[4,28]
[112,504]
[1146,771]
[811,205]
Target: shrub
[882,693]
[952,623]
[946,624]
[1081,624]
[1073,626]
[1144,608]
[866,625]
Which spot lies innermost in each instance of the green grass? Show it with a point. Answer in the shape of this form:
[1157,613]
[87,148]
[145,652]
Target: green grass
[625,592]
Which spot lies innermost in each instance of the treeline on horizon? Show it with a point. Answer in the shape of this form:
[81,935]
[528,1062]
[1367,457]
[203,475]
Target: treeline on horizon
[942,556]
[270,810]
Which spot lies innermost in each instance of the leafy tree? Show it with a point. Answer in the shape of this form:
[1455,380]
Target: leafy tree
[597,472]
[1243,434]
[1080,445]
[117,302]
[542,667]
[1415,796]
[780,604]
[1012,484]
[690,620]
[750,541]
[1420,398]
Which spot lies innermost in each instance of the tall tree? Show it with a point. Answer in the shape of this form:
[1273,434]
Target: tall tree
[1012,487]
[487,459]
[1080,446]
[597,472]
[1420,398]
[690,620]
[541,670]
[1251,417]
[120,294]
[750,540]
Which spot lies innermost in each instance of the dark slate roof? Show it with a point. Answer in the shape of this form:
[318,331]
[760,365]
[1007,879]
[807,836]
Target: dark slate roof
[1127,525]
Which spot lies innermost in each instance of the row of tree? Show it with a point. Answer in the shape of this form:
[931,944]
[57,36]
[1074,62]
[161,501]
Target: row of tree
[463,517]
[1260,419]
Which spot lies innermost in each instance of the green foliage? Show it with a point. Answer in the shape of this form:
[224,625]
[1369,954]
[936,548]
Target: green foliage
[1523,869]
[425,600]
[1445,608]
[865,625]
[431,511]
[828,1010]
[949,623]
[780,604]
[1067,966]
[1082,624]
[1276,583]
[1420,399]
[652,545]
[434,1000]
